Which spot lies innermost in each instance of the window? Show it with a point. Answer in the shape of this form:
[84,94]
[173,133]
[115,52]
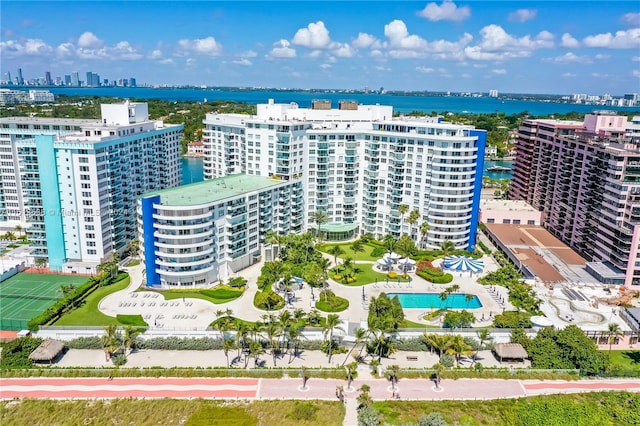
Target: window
[506,221]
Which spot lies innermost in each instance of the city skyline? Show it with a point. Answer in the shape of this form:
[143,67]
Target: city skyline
[456,46]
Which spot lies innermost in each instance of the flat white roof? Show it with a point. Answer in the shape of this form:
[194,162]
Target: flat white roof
[513,205]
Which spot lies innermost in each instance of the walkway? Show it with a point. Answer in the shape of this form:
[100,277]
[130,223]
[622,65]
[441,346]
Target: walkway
[251,388]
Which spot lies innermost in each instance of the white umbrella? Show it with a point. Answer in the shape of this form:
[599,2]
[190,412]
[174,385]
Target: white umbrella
[385,263]
[406,263]
[463,263]
[393,256]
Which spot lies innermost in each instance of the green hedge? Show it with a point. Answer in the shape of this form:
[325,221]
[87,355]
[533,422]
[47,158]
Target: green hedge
[436,277]
[268,301]
[15,354]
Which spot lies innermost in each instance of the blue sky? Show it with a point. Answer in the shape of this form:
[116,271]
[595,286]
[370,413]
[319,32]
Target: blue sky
[568,47]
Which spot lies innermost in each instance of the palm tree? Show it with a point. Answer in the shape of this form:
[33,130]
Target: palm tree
[227,345]
[10,236]
[468,298]
[255,350]
[298,315]
[273,335]
[438,342]
[361,334]
[134,248]
[357,247]
[447,247]
[110,340]
[18,229]
[484,335]
[332,323]
[389,242]
[242,330]
[129,338]
[458,347]
[402,209]
[272,237]
[320,217]
[335,251]
[424,231]
[67,290]
[613,333]
[412,220]
[352,369]
[293,334]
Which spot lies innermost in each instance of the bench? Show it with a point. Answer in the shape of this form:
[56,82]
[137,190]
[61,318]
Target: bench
[412,358]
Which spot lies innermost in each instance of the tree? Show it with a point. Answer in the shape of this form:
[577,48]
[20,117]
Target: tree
[447,247]
[458,319]
[314,275]
[402,209]
[458,347]
[360,335]
[613,333]
[385,313]
[405,246]
[272,237]
[9,236]
[294,333]
[439,342]
[432,419]
[335,251]
[18,229]
[389,242]
[332,323]
[468,298]
[273,335]
[242,330]
[412,220]
[110,340]
[424,232]
[67,290]
[40,263]
[393,375]
[255,350]
[484,335]
[351,371]
[129,338]
[134,248]
[357,247]
[320,217]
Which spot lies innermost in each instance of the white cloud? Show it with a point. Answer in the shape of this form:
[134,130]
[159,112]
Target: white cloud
[523,15]
[404,45]
[479,65]
[381,68]
[568,41]
[425,70]
[88,40]
[315,36]
[599,75]
[632,19]
[570,57]
[244,61]
[325,66]
[366,41]
[635,73]
[344,51]
[500,71]
[568,74]
[248,54]
[621,40]
[447,11]
[282,50]
[601,57]
[377,53]
[497,44]
[156,54]
[29,47]
[167,61]
[315,54]
[398,36]
[204,46]
[635,58]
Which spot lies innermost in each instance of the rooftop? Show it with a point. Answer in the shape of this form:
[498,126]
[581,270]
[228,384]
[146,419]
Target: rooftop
[214,190]
[514,205]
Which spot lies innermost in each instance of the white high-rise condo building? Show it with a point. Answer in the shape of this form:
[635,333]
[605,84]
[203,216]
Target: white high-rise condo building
[73,185]
[359,164]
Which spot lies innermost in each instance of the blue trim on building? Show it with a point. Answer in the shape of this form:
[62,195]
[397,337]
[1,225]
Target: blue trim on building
[51,204]
[481,144]
[153,278]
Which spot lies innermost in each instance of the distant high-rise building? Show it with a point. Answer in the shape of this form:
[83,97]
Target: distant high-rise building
[58,81]
[67,80]
[89,81]
[47,78]
[493,93]
[132,82]
[75,79]
[20,78]
[7,77]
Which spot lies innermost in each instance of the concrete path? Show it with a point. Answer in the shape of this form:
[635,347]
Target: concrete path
[351,414]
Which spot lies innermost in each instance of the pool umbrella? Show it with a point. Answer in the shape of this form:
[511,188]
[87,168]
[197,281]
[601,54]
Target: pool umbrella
[385,263]
[463,263]
[393,256]
[406,263]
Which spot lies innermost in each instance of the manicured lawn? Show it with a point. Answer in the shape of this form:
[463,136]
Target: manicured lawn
[411,324]
[602,408]
[88,313]
[346,247]
[628,359]
[368,276]
[217,296]
[171,412]
[330,302]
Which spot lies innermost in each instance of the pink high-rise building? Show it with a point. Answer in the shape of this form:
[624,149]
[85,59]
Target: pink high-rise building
[585,180]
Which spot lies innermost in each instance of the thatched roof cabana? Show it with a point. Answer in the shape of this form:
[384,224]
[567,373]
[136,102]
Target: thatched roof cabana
[510,351]
[47,351]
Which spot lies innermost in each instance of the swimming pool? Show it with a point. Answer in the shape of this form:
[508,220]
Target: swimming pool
[433,301]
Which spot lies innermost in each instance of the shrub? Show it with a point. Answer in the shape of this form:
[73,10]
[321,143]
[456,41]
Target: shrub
[513,319]
[337,277]
[368,416]
[413,344]
[119,360]
[351,280]
[180,344]
[92,342]
[15,354]
[447,360]
[392,275]
[432,419]
[303,410]
[268,301]
[332,303]
[237,282]
[378,251]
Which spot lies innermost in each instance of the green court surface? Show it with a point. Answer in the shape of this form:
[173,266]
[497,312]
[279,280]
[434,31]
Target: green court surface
[24,296]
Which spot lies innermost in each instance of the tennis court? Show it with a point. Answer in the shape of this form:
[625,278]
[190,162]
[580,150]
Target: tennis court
[24,296]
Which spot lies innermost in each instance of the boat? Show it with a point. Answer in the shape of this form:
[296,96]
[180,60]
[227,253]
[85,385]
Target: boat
[498,169]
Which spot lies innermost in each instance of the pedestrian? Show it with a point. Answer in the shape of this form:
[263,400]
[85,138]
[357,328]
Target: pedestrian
[393,394]
[110,377]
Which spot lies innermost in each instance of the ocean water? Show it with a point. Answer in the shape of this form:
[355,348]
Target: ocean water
[497,175]
[192,170]
[405,104]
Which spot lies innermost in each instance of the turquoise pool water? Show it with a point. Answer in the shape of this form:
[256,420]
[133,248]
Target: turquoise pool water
[433,301]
